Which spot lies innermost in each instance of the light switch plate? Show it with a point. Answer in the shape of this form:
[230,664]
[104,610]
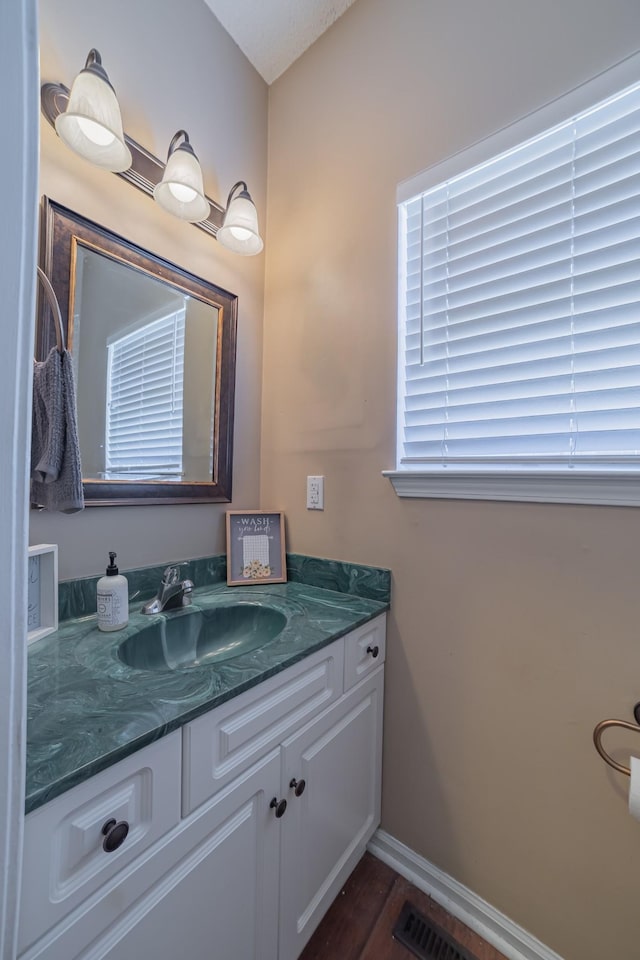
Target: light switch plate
[315,493]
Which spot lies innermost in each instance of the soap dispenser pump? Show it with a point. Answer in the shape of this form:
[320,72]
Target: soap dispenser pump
[112,596]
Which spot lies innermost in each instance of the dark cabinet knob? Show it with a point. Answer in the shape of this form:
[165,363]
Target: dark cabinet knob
[279,806]
[115,833]
[374,651]
[298,786]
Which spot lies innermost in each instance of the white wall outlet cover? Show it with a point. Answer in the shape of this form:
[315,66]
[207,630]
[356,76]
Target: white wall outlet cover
[315,493]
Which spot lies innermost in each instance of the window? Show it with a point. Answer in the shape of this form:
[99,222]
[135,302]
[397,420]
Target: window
[519,314]
[144,401]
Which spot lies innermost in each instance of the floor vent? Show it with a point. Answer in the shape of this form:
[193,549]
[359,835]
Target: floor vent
[425,939]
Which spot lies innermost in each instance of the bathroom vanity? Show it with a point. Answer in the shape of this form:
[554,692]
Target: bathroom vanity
[229,836]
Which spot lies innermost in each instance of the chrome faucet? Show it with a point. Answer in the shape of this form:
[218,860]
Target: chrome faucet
[172,592]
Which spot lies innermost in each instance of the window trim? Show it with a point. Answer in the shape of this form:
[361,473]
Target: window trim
[542,483]
[535,486]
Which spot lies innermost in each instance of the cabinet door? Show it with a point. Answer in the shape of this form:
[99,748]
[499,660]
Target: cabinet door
[221,902]
[209,893]
[326,828]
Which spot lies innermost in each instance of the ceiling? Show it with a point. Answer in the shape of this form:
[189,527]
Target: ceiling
[274,33]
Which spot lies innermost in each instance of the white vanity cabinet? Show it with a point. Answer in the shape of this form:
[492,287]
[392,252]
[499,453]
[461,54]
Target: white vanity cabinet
[244,858]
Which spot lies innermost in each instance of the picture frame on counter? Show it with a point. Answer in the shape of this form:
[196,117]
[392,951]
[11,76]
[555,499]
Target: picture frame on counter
[42,591]
[255,547]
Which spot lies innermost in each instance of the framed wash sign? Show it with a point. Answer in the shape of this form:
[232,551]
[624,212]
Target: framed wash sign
[255,547]
[42,591]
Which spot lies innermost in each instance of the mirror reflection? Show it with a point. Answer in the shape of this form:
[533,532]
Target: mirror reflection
[153,349]
[145,359]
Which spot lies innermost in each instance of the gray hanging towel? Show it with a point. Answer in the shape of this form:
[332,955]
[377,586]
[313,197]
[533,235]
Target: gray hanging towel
[56,472]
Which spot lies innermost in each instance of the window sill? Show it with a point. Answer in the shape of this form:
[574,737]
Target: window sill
[620,490]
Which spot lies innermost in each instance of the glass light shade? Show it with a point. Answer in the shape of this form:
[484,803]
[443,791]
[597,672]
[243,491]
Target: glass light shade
[92,126]
[239,232]
[181,190]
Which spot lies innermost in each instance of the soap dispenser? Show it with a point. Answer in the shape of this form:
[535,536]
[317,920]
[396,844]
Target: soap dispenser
[112,598]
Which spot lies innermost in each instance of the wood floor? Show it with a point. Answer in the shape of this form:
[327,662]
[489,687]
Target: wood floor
[359,923]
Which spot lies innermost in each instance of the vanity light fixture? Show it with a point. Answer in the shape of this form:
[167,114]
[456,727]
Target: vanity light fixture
[91,125]
[239,230]
[181,190]
[88,120]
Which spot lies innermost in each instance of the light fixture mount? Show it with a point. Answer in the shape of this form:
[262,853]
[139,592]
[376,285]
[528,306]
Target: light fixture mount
[185,144]
[93,65]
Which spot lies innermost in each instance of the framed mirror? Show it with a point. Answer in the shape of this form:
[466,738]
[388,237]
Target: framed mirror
[154,350]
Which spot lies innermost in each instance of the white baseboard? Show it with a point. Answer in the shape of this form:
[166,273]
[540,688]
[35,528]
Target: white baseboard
[494,927]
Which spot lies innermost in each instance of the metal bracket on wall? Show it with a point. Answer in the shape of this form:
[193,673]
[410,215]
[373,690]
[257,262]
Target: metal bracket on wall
[145,170]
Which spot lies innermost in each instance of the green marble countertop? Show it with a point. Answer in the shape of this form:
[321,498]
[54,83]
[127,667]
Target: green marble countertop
[86,709]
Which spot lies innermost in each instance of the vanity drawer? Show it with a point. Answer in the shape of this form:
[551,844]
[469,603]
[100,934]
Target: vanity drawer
[220,745]
[64,859]
[364,650]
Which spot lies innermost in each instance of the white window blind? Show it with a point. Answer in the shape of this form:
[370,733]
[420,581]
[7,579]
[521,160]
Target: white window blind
[520,305]
[145,401]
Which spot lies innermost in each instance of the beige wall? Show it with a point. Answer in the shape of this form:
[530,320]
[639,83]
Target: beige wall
[514,627]
[173,66]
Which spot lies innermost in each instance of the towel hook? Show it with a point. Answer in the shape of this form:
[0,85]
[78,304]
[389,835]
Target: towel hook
[597,740]
[55,308]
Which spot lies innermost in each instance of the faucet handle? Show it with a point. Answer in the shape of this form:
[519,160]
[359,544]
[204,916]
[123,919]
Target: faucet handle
[172,573]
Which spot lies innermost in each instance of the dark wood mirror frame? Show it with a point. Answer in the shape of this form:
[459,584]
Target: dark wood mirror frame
[60,231]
